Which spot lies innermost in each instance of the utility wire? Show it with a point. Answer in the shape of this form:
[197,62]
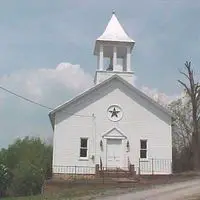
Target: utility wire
[24,98]
[36,103]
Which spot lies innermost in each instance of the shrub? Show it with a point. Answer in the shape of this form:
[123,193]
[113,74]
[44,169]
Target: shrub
[27,180]
[29,161]
[5,179]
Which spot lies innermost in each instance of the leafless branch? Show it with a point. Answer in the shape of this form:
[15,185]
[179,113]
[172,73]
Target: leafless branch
[185,86]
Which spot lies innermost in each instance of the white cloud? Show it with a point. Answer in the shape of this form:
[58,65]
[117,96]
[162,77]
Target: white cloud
[155,94]
[38,84]
[159,97]
[49,87]
[43,84]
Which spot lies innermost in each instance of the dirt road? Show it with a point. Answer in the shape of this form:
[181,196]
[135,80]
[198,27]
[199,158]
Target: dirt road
[175,191]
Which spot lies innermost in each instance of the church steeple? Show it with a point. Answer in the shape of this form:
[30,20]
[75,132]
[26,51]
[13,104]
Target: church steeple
[114,46]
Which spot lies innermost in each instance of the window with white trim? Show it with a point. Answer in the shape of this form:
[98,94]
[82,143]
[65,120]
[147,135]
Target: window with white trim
[84,148]
[143,148]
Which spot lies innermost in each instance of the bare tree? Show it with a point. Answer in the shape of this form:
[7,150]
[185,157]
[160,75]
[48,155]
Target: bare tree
[182,123]
[193,91]
[181,134]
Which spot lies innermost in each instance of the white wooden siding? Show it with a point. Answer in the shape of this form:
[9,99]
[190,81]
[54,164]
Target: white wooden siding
[141,120]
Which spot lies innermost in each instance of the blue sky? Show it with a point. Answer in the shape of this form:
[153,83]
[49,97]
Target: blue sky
[36,36]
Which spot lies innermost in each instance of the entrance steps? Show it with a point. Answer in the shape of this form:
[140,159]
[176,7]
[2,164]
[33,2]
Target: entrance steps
[117,173]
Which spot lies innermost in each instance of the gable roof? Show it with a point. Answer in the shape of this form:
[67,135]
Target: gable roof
[115,32]
[107,81]
[114,133]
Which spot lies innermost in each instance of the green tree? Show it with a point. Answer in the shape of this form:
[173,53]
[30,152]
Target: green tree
[27,180]
[29,161]
[4,179]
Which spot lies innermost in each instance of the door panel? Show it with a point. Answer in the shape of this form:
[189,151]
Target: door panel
[114,152]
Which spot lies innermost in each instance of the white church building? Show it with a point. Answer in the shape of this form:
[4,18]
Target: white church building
[113,124]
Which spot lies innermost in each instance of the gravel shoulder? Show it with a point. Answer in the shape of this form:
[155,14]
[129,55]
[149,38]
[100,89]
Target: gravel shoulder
[179,191]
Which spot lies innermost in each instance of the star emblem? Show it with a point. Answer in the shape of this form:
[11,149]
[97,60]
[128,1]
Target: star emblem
[114,112]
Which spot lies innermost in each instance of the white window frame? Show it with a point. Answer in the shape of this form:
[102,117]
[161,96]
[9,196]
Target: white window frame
[83,158]
[146,149]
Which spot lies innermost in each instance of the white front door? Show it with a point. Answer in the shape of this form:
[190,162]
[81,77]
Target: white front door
[114,147]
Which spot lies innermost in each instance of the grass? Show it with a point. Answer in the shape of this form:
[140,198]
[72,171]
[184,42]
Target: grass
[89,191]
[83,192]
[64,195]
[69,192]
[39,197]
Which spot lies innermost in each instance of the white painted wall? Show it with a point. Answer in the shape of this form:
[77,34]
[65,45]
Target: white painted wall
[141,120]
[101,76]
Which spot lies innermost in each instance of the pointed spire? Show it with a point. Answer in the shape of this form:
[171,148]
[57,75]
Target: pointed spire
[114,31]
